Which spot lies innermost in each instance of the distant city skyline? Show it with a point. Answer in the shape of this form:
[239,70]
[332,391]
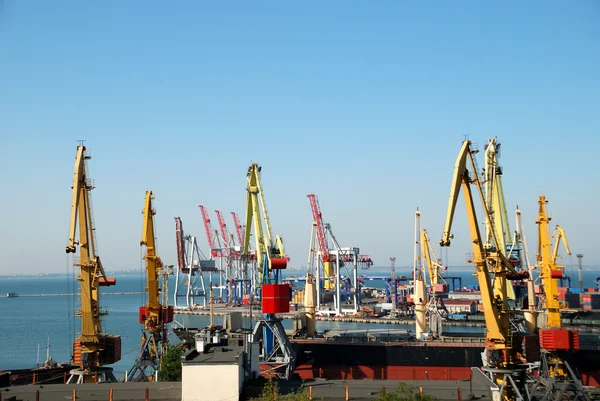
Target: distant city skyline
[365,106]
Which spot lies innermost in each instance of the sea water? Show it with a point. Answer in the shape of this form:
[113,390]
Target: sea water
[28,323]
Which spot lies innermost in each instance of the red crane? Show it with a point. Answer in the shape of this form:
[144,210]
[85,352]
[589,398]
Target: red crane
[238,227]
[209,231]
[180,244]
[223,227]
[318,218]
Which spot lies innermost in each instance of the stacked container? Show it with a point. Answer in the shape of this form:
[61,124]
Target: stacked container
[591,301]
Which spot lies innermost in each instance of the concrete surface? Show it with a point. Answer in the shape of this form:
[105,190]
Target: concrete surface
[163,391]
[359,390]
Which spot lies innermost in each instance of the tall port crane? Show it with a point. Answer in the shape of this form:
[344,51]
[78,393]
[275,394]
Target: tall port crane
[93,349]
[274,296]
[437,310]
[501,357]
[556,379]
[498,223]
[155,315]
[420,292]
[532,312]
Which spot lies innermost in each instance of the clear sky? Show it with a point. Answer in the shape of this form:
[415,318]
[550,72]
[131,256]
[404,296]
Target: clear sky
[362,103]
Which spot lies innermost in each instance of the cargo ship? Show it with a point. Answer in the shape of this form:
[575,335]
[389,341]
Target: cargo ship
[396,355]
[50,372]
[54,373]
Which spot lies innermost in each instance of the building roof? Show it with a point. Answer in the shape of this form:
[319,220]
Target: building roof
[458,302]
[220,355]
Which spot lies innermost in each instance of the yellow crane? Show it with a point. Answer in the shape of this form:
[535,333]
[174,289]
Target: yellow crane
[154,316]
[93,348]
[437,310]
[555,375]
[500,355]
[275,297]
[496,206]
[270,254]
[550,271]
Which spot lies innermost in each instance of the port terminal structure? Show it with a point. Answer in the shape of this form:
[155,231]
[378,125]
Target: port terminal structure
[193,271]
[325,263]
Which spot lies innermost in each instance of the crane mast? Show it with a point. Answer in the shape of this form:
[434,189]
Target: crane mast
[153,316]
[531,313]
[93,348]
[420,292]
[500,352]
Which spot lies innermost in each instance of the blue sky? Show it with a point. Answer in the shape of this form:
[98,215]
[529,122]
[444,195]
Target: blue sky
[365,105]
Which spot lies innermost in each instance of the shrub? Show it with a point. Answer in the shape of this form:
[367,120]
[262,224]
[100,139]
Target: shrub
[171,365]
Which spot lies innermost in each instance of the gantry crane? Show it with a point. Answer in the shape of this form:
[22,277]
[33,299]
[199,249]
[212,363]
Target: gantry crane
[275,297]
[93,349]
[155,315]
[556,379]
[333,259]
[501,357]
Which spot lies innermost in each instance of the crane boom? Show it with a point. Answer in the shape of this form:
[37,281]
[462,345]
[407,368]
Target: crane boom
[238,227]
[497,322]
[93,348]
[559,234]
[223,228]
[180,244]
[265,245]
[433,263]
[207,227]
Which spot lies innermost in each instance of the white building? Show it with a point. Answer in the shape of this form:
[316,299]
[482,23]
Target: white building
[217,374]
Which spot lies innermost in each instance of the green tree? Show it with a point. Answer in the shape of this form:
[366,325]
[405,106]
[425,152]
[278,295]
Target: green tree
[270,392]
[171,365]
[404,392]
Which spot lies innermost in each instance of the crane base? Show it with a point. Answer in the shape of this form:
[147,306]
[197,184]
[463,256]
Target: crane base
[101,375]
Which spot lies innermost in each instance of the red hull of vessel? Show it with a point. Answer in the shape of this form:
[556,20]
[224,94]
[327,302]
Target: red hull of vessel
[383,372]
[360,372]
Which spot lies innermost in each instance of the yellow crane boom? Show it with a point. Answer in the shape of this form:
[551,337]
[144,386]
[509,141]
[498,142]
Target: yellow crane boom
[265,245]
[93,348]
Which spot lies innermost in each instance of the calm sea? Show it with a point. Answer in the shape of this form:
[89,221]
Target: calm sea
[28,322]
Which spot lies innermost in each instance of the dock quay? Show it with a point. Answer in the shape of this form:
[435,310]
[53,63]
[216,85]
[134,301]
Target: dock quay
[332,390]
[346,319]
[70,295]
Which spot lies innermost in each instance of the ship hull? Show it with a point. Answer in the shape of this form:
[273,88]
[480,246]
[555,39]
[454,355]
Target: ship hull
[408,361]
[18,377]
